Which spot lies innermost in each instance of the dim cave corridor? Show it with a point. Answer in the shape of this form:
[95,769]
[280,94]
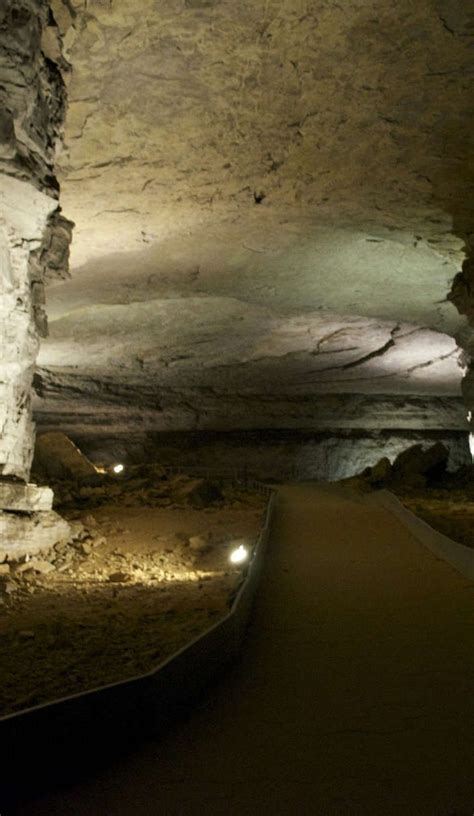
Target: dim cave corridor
[312,718]
[236,407]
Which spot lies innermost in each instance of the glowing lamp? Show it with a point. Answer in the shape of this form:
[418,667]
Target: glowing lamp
[117,468]
[239,555]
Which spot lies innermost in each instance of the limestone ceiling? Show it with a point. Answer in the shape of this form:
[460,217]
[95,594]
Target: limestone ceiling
[270,196]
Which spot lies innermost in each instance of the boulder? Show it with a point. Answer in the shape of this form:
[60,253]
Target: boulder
[26,498]
[29,534]
[380,472]
[57,457]
[36,565]
[200,493]
[414,462]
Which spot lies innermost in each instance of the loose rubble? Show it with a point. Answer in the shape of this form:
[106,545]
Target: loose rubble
[144,571]
[414,467]
[423,484]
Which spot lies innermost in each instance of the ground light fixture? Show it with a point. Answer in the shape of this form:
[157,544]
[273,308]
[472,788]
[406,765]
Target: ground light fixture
[239,555]
[117,468]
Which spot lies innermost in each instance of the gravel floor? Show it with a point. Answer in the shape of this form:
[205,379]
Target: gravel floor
[137,583]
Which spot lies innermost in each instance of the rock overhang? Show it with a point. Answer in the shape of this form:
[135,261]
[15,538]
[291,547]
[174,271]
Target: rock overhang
[244,175]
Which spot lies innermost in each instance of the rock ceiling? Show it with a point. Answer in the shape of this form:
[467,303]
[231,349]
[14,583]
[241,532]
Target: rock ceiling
[271,200]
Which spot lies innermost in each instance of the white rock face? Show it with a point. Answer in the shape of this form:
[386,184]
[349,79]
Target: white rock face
[24,212]
[26,498]
[30,533]
[32,107]
[33,238]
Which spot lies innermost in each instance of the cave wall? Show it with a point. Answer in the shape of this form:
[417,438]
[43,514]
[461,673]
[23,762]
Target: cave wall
[462,297]
[325,456]
[34,236]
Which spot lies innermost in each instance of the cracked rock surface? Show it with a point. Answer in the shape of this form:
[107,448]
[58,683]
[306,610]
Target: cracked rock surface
[34,236]
[271,202]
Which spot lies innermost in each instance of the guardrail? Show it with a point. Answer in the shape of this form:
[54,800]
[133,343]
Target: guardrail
[458,555]
[100,718]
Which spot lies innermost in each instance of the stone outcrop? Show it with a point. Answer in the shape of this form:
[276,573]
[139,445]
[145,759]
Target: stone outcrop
[24,212]
[214,364]
[57,457]
[28,524]
[271,204]
[25,498]
[34,240]
[32,103]
[462,296]
[416,466]
[24,534]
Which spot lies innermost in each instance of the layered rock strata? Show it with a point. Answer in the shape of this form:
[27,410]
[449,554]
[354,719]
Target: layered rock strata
[256,184]
[277,455]
[30,533]
[28,524]
[33,242]
[32,231]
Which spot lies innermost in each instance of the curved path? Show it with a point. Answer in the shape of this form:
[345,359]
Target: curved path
[355,694]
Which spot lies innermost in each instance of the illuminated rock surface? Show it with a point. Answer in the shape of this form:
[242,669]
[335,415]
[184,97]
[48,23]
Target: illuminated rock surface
[34,241]
[271,203]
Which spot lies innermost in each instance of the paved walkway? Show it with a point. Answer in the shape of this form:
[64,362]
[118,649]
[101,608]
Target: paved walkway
[355,694]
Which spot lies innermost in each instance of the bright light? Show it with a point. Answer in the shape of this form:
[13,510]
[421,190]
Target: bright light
[469,416]
[239,555]
[117,468]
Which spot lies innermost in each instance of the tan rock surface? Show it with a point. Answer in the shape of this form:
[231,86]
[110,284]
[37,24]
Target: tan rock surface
[247,179]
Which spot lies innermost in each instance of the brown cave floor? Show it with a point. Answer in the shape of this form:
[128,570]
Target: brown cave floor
[446,504]
[353,695]
[450,512]
[127,596]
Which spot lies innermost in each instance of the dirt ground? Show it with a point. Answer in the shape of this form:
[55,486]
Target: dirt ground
[446,504]
[137,583]
[449,511]
[353,696]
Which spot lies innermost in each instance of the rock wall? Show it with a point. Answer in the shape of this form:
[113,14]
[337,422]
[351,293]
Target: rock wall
[273,454]
[34,236]
[23,214]
[462,296]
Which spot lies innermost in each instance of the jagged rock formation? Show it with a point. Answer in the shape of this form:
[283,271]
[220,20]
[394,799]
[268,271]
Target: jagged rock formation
[33,239]
[32,100]
[28,525]
[56,457]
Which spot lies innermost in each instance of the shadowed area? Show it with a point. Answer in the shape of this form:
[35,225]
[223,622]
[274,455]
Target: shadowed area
[353,695]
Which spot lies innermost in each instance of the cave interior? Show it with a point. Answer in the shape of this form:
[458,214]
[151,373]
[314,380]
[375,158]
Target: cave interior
[233,237]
